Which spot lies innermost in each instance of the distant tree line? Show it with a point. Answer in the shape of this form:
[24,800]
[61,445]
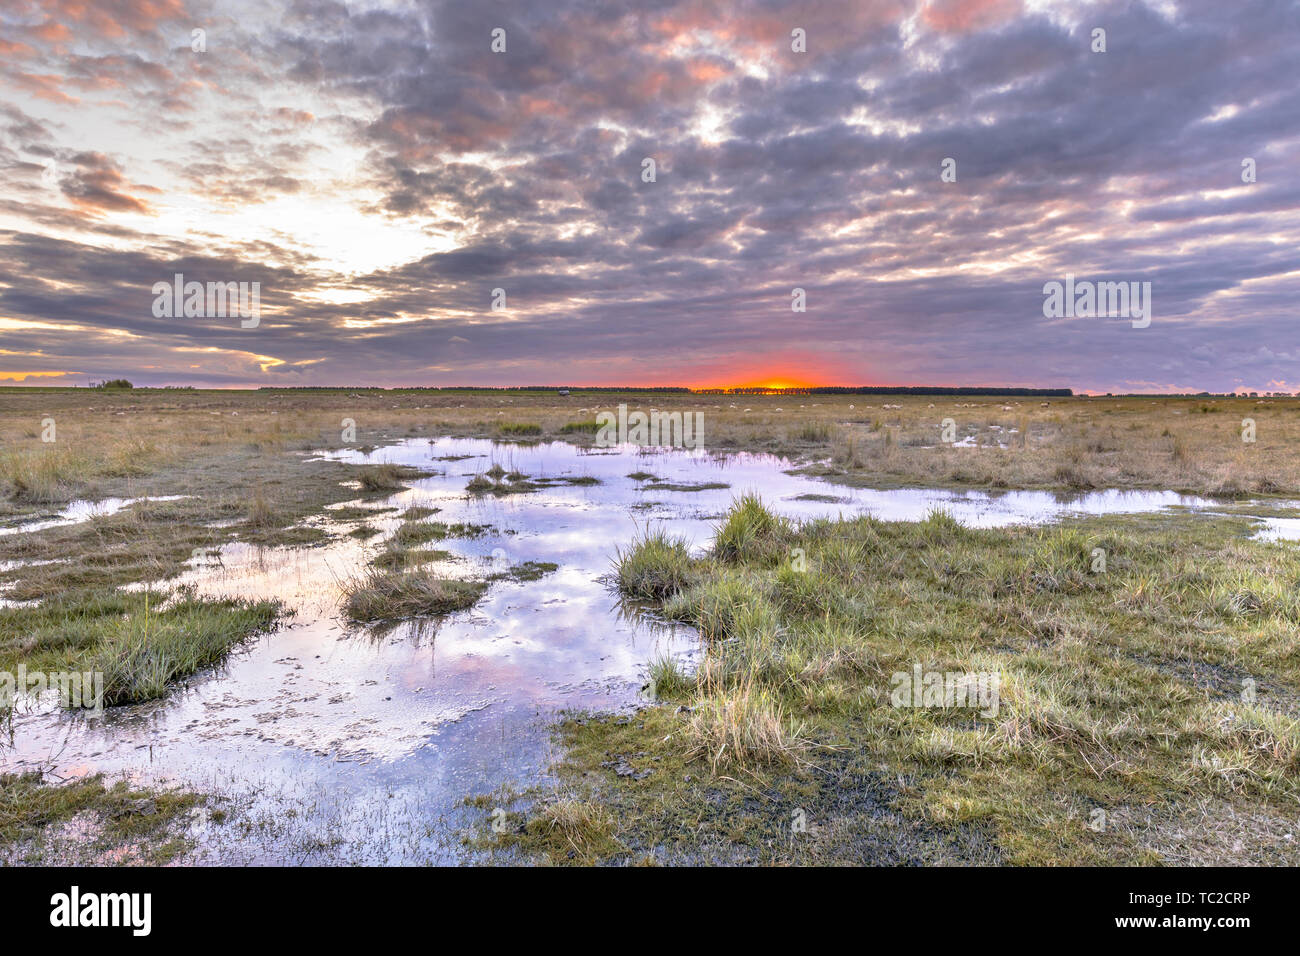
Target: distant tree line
[892,390]
[1202,395]
[475,388]
[121,383]
[754,390]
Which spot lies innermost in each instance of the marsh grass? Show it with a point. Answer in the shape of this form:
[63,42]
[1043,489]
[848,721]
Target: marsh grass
[751,533]
[729,601]
[659,485]
[417,532]
[140,642]
[131,824]
[397,556]
[143,652]
[260,513]
[1121,690]
[743,728]
[419,512]
[498,482]
[110,443]
[519,429]
[580,428]
[818,432]
[45,474]
[384,478]
[106,439]
[656,566]
[668,679]
[395,594]
[568,831]
[1124,690]
[527,571]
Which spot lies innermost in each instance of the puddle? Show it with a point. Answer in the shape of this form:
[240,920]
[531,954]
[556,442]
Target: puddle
[79,511]
[351,746]
[1279,529]
[9,566]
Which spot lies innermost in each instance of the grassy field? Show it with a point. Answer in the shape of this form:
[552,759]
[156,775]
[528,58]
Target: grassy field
[1121,691]
[175,441]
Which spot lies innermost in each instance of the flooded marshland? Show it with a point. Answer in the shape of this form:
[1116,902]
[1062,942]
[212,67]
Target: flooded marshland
[340,743]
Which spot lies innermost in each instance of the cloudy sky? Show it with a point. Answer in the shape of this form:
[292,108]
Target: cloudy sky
[380,170]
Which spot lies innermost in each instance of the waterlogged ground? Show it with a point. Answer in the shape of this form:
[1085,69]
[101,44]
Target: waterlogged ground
[79,511]
[338,744]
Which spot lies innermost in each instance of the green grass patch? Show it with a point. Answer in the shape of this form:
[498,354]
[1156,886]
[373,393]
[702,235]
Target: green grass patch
[417,532]
[656,566]
[817,432]
[528,571]
[668,679]
[419,512]
[395,556]
[140,644]
[1163,692]
[496,482]
[752,533]
[659,485]
[519,429]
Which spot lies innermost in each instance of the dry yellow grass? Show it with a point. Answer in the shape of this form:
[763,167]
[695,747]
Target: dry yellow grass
[743,728]
[106,439]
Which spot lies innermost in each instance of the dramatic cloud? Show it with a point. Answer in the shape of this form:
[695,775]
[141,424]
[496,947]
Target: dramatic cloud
[381,170]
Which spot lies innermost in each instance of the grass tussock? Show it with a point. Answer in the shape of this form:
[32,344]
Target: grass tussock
[413,532]
[260,512]
[395,594]
[751,532]
[744,728]
[45,474]
[815,432]
[395,556]
[668,679]
[573,831]
[655,567]
[723,605]
[496,481]
[142,653]
[383,478]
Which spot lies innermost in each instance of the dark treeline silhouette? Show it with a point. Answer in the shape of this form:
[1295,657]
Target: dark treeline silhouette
[474,388]
[115,384]
[754,390]
[891,390]
[748,390]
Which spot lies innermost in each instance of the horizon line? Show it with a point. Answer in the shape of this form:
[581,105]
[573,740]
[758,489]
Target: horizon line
[1014,390]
